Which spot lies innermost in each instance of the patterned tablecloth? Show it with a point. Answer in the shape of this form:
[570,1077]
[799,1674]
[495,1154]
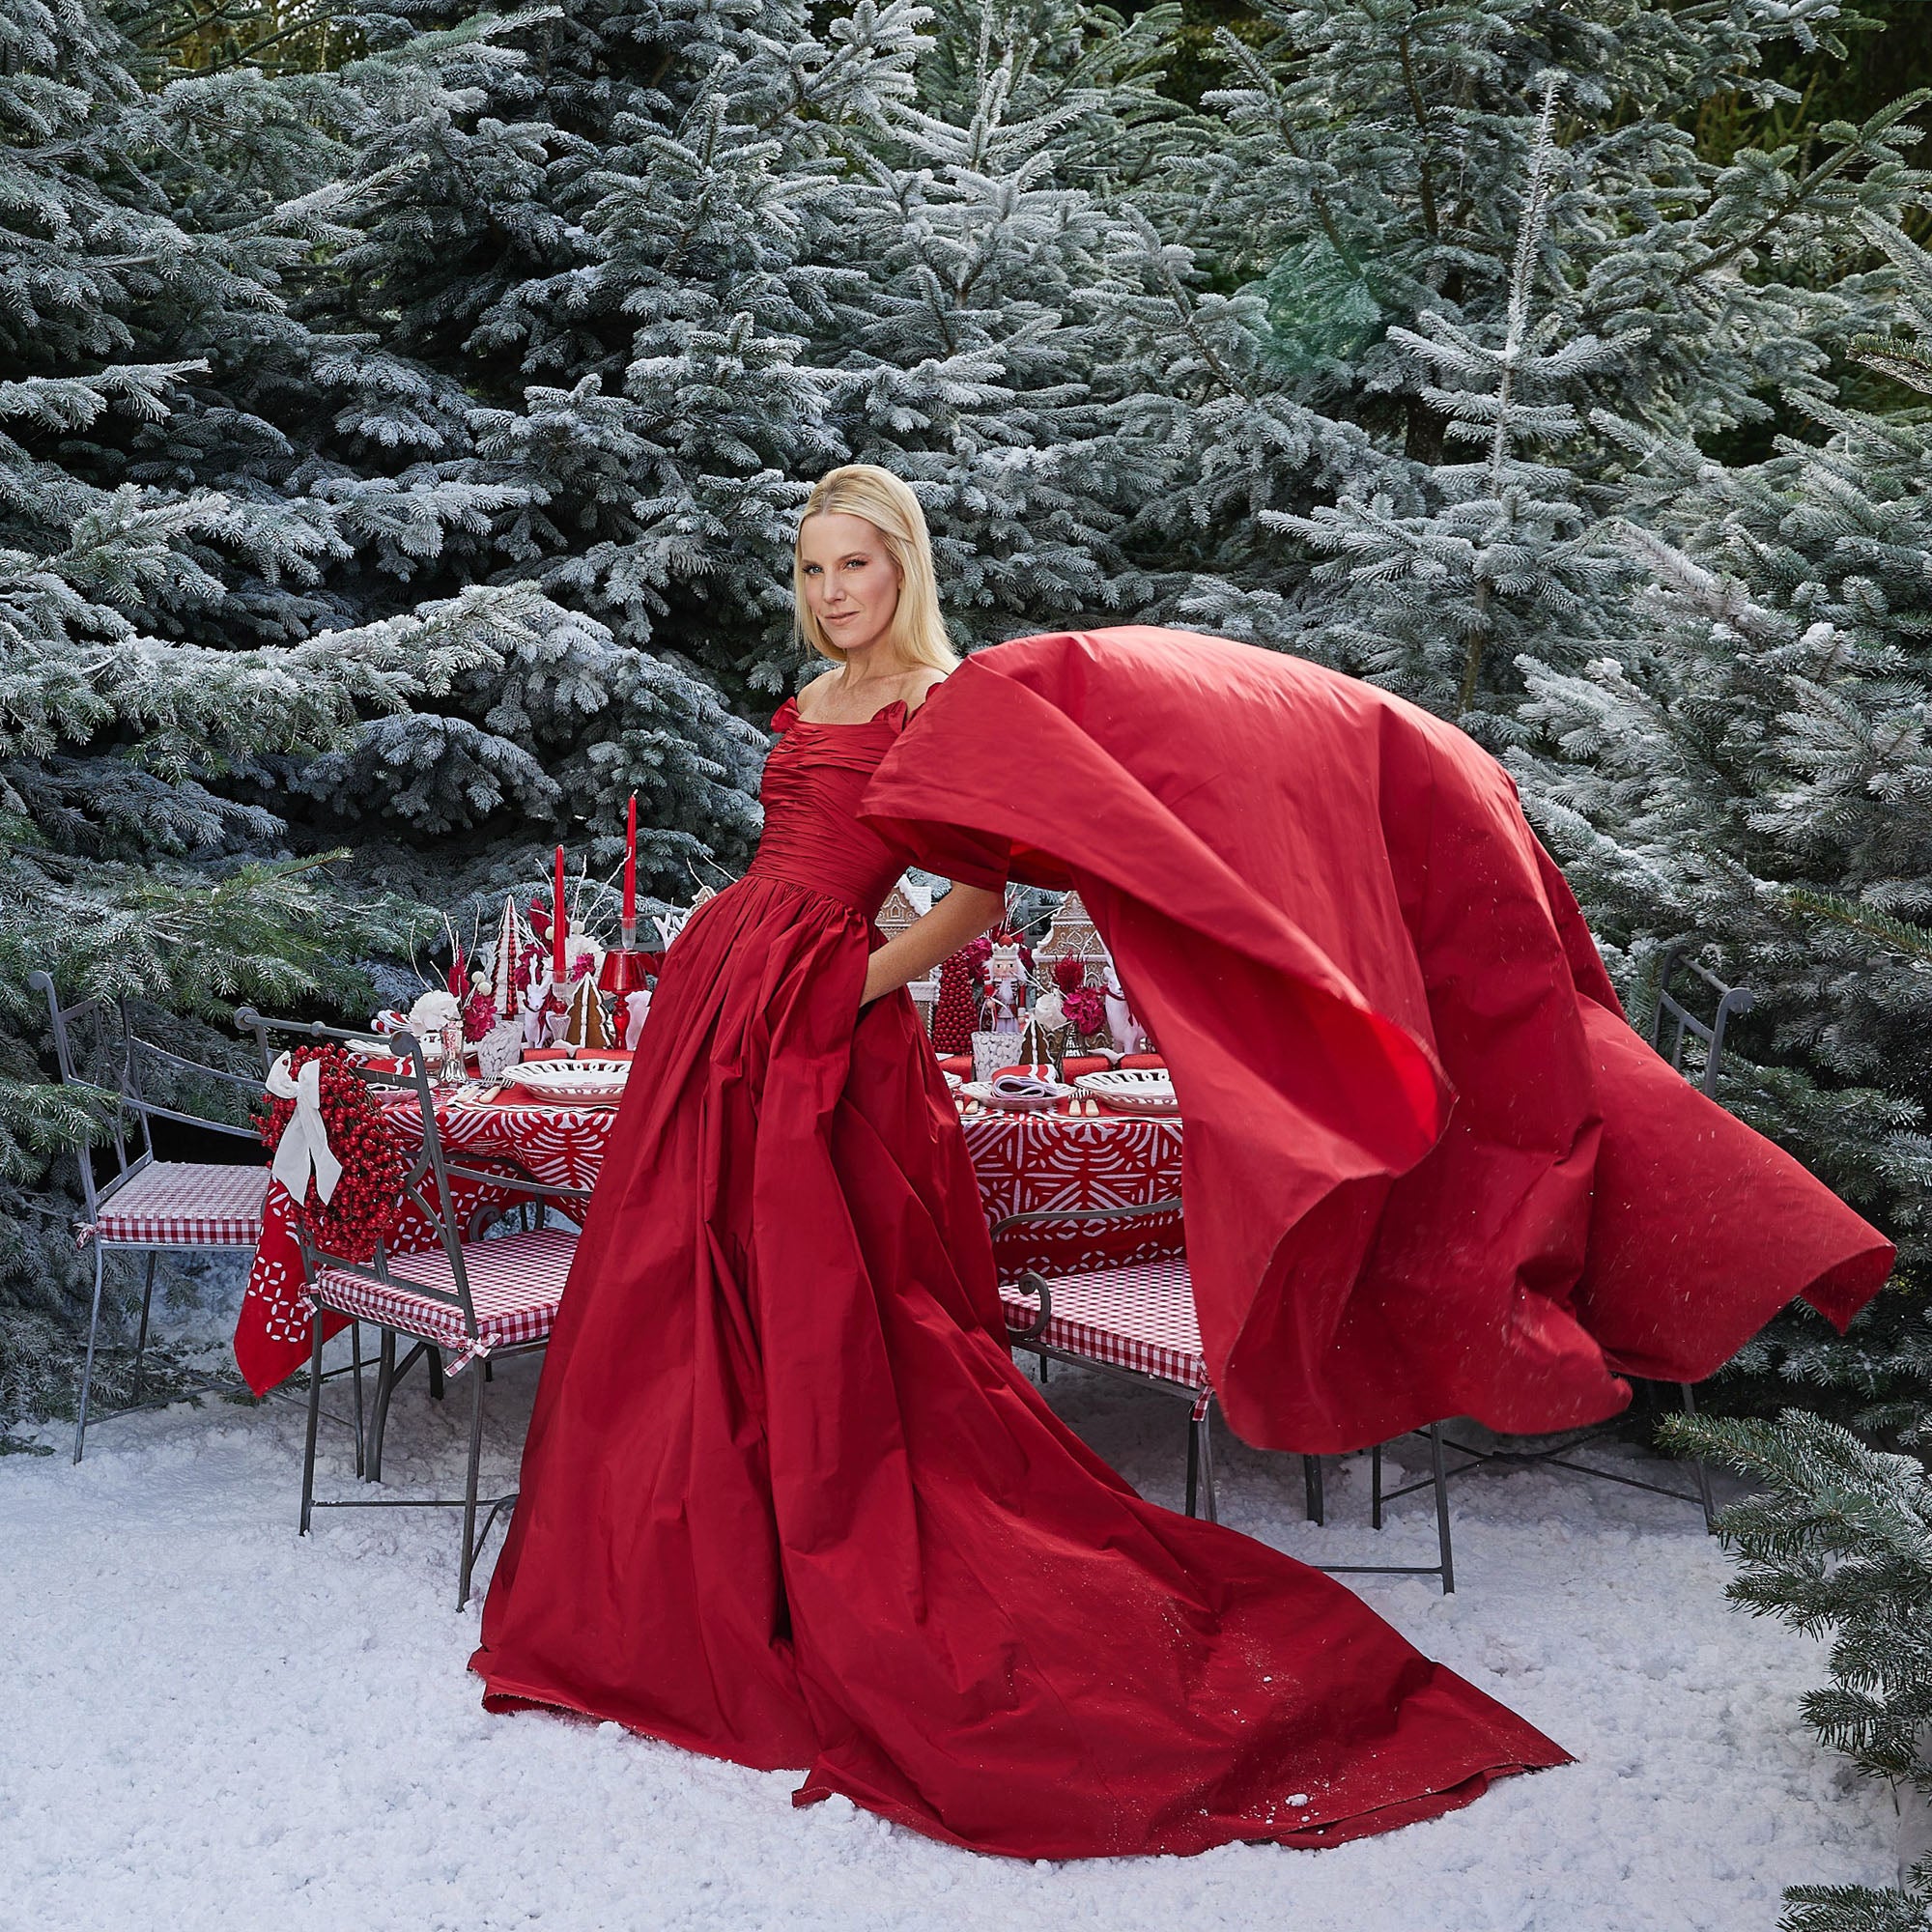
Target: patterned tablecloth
[1024,1161]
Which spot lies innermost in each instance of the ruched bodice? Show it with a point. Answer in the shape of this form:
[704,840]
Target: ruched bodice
[812,782]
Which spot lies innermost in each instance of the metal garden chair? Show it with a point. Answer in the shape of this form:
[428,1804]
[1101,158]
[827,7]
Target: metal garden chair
[472,1299]
[1138,1322]
[150,1207]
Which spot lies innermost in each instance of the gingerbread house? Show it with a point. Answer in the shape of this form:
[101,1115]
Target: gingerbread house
[907,901]
[1070,934]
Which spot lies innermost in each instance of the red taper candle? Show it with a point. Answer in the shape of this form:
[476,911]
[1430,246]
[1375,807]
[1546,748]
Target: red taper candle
[559,922]
[631,873]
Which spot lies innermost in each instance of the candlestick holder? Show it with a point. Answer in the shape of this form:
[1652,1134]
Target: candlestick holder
[624,972]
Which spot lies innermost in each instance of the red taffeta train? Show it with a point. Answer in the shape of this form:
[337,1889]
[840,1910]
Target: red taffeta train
[1430,1169]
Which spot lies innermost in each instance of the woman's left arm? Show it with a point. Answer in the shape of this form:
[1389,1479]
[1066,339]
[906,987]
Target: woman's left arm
[963,914]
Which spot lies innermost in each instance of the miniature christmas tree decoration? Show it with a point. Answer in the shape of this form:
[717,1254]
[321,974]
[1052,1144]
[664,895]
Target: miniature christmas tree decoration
[586,1026]
[510,943]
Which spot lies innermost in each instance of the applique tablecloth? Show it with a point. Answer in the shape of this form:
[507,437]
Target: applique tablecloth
[1024,1161]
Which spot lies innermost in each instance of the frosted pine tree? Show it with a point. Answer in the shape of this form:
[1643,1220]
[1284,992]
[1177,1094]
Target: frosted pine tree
[1750,773]
[171,645]
[1368,208]
[1507,554]
[1747,769]
[1835,1544]
[593,254]
[974,343]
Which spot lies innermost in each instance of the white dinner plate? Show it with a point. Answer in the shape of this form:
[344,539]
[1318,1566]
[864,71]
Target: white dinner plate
[583,1081]
[1134,1090]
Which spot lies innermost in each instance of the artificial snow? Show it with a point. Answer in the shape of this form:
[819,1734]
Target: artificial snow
[210,1722]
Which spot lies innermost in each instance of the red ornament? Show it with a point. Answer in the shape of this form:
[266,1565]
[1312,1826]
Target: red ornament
[368,1195]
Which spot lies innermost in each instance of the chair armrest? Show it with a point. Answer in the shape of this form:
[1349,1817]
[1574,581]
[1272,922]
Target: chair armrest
[1031,1283]
[1171,1206]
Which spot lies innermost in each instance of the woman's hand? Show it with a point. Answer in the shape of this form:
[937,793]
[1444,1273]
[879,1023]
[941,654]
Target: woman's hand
[963,914]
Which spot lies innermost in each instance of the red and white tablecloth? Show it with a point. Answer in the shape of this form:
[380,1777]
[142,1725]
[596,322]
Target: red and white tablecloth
[1024,1161]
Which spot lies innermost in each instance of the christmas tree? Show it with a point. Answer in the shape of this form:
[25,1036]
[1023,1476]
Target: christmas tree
[170,651]
[1394,327]
[1747,774]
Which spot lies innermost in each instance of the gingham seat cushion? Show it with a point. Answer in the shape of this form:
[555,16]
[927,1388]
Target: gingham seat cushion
[1134,1317]
[515,1285]
[185,1203]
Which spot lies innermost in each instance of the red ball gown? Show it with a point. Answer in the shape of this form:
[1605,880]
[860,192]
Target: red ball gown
[787,1499]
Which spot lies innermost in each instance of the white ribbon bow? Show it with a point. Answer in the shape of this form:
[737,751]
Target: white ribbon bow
[304,1148]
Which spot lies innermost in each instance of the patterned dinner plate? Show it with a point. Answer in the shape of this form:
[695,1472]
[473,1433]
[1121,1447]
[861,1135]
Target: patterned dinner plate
[1134,1090]
[578,1081]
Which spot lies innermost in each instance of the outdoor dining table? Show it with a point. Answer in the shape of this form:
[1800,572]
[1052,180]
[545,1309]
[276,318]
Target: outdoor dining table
[1024,1162]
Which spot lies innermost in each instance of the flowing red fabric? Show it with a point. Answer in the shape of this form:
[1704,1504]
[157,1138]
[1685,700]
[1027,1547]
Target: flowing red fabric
[1430,1170]
[787,1499]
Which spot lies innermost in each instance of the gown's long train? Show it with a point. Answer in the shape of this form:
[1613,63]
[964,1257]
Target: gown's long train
[785,1497]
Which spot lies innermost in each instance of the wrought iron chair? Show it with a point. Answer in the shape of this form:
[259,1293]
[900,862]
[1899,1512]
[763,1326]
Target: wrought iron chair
[474,1299]
[1138,1322]
[1684,1025]
[150,1207]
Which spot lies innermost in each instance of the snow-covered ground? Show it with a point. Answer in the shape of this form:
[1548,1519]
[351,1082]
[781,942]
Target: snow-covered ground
[208,1722]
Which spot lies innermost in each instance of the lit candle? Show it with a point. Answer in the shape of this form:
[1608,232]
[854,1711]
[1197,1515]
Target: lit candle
[630,876]
[558,924]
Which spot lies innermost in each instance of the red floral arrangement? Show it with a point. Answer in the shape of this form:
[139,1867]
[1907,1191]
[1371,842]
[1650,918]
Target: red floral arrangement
[1085,1010]
[368,1196]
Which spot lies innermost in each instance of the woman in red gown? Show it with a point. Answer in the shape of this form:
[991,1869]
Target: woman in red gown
[785,1497]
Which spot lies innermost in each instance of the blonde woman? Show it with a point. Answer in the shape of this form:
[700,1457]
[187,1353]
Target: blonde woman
[787,1500]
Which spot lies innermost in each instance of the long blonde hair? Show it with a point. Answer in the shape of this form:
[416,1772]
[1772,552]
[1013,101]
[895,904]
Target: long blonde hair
[917,634]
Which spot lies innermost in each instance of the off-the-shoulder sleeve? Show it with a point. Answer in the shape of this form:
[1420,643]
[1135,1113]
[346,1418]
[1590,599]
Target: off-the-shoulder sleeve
[784,717]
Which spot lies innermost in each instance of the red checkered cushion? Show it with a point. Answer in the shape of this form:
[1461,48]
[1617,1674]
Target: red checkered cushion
[1138,1318]
[515,1285]
[185,1203]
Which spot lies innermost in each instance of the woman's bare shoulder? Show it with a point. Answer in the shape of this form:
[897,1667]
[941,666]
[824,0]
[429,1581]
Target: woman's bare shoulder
[921,686]
[806,691]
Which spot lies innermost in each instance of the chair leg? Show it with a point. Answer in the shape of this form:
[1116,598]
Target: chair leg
[355,1356]
[378,1420]
[314,1417]
[1442,1548]
[1193,1462]
[1375,1487]
[1313,1490]
[1203,1431]
[469,1492]
[1702,1473]
[141,1341]
[436,1375]
[87,1369]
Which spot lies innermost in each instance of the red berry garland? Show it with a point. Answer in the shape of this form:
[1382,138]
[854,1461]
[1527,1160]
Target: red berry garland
[368,1197]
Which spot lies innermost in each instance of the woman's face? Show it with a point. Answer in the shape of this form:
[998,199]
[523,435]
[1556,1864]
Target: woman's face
[851,583]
